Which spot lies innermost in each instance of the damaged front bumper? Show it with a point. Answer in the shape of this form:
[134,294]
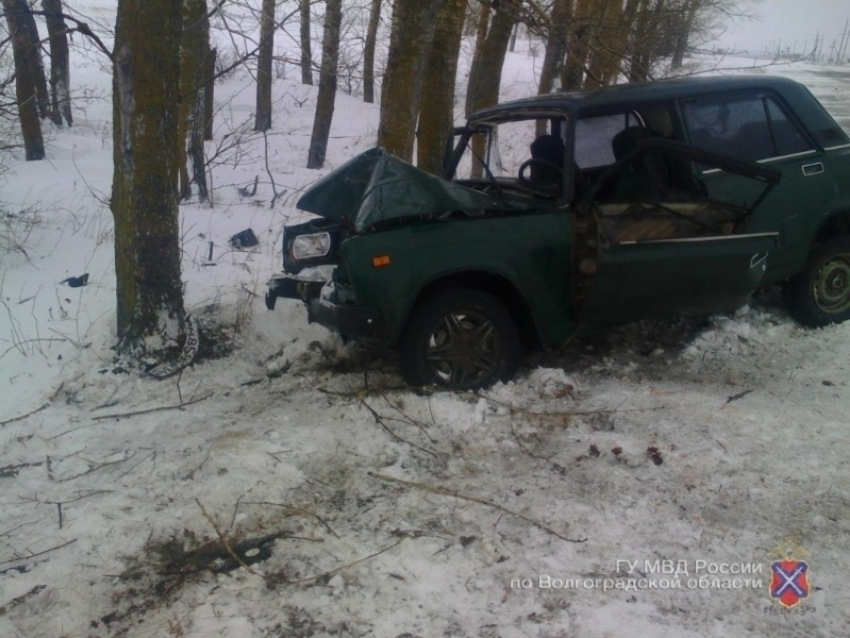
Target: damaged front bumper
[325,307]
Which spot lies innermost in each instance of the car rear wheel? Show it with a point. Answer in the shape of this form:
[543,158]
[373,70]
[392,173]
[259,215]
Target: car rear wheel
[460,339]
[820,294]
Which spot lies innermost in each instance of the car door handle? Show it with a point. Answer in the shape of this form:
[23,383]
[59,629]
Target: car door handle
[812,169]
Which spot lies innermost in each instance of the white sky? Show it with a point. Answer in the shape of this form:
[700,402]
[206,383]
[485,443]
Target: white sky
[790,20]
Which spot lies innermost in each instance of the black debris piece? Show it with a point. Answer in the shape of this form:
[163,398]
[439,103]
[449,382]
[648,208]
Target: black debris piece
[76,282]
[245,239]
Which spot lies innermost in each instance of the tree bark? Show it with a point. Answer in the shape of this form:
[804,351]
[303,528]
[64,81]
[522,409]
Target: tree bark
[25,89]
[684,34]
[601,41]
[209,95]
[556,49]
[480,36]
[556,45]
[327,86]
[488,77]
[436,114]
[60,74]
[146,81]
[263,121]
[413,27]
[369,52]
[27,21]
[194,49]
[572,75]
[306,44]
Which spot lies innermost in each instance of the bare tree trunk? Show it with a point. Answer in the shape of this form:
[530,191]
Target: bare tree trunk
[573,72]
[488,79]
[146,80]
[436,114]
[556,45]
[597,55]
[306,44]
[25,90]
[60,74]
[477,55]
[488,76]
[327,86]
[369,52]
[209,95]
[684,34]
[414,22]
[193,68]
[27,21]
[617,43]
[556,49]
[263,121]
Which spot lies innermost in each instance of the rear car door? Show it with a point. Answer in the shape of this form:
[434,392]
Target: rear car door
[759,127]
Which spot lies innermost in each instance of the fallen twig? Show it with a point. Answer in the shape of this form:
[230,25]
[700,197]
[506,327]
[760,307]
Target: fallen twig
[472,499]
[149,410]
[224,542]
[323,575]
[297,510]
[29,414]
[740,395]
[92,469]
[52,549]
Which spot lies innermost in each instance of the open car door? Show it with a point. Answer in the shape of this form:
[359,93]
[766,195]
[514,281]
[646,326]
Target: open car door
[645,248]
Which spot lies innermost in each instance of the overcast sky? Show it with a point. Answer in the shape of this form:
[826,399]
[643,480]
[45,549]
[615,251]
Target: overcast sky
[791,20]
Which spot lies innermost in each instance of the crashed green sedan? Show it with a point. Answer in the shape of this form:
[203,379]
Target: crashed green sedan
[576,211]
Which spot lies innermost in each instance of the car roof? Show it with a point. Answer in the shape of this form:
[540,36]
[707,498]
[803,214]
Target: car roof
[575,103]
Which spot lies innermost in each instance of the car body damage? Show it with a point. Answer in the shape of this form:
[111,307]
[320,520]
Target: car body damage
[567,212]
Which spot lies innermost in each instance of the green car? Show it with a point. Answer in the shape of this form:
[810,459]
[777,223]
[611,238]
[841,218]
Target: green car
[575,211]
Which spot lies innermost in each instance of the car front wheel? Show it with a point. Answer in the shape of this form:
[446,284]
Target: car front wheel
[460,339]
[820,294]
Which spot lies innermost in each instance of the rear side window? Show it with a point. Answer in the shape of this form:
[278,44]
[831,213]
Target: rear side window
[753,128]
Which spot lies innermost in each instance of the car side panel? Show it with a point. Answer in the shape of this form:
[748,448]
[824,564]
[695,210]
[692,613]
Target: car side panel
[529,250]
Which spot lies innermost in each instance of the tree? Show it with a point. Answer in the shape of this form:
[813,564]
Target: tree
[556,45]
[194,64]
[436,114]
[60,74]
[369,52]
[263,121]
[146,79]
[306,44]
[481,27]
[25,82]
[413,27]
[327,86]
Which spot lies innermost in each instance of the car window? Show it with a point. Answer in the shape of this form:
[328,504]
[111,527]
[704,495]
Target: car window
[594,136]
[789,139]
[753,128]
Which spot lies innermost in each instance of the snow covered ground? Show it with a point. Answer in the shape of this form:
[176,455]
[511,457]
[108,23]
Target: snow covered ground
[710,443]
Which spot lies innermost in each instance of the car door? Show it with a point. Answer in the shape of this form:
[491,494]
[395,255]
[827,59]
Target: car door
[758,126]
[682,254]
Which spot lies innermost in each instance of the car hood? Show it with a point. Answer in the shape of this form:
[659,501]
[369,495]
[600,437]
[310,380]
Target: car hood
[376,186]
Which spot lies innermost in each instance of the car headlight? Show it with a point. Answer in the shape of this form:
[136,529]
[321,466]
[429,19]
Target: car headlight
[309,246]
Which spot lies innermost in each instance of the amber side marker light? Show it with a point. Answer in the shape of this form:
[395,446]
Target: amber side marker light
[380,261]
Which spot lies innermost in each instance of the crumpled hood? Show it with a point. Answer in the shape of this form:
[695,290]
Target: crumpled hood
[375,186]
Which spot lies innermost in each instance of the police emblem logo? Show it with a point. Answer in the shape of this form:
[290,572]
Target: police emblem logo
[789,583]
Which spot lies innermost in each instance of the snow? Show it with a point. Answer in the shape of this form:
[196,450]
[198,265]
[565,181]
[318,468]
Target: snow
[555,474]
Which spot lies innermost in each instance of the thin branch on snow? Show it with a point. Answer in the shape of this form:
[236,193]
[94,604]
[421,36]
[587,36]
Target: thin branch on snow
[472,499]
[29,414]
[149,410]
[224,542]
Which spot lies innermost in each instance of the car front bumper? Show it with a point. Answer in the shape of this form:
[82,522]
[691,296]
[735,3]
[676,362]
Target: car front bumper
[323,307]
